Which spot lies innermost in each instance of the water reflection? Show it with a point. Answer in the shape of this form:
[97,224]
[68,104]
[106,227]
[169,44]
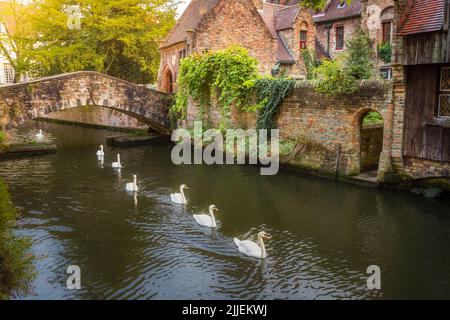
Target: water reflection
[142,246]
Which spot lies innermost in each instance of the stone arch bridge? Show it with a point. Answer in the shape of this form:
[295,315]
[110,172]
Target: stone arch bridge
[26,101]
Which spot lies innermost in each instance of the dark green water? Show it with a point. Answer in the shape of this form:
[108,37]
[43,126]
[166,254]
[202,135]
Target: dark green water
[324,234]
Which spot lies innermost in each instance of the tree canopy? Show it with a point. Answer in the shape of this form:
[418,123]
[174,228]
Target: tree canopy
[116,37]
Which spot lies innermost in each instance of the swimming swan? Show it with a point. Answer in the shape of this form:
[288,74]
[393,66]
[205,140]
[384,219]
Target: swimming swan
[117,164]
[100,151]
[40,136]
[251,248]
[132,186]
[179,197]
[207,220]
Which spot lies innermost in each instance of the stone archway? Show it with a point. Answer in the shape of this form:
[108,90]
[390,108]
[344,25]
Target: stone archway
[168,80]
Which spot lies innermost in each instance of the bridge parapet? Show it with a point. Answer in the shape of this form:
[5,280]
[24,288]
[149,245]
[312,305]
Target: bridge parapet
[26,101]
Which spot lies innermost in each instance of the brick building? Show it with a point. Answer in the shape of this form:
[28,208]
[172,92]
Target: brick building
[421,142]
[273,33]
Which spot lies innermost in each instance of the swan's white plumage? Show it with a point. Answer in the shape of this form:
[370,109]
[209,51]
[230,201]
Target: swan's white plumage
[132,186]
[100,152]
[251,248]
[117,164]
[179,198]
[40,136]
[207,220]
[204,220]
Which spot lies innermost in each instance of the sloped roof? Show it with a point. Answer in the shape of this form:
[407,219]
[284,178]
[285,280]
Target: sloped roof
[189,20]
[424,16]
[332,12]
[285,18]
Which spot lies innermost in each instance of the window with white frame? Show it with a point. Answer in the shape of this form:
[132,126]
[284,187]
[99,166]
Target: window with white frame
[444,93]
[8,73]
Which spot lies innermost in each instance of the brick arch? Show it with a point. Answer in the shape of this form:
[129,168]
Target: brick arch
[26,101]
[356,134]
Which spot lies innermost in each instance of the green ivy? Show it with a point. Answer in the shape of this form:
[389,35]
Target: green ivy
[270,93]
[225,76]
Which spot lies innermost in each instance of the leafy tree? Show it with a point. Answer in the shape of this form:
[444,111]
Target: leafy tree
[17,39]
[359,55]
[333,78]
[116,37]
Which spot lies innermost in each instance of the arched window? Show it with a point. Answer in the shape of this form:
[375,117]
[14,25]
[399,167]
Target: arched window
[303,35]
[387,18]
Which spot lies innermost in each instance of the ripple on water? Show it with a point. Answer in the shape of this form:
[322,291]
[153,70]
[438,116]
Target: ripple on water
[324,235]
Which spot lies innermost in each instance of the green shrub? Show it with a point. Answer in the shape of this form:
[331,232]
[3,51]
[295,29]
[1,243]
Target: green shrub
[310,61]
[2,137]
[359,55]
[225,76]
[333,79]
[385,52]
[16,264]
[373,118]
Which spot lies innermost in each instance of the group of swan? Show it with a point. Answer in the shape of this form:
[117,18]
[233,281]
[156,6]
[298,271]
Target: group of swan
[131,186]
[247,247]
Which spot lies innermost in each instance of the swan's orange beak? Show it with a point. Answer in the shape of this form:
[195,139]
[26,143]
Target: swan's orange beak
[267,236]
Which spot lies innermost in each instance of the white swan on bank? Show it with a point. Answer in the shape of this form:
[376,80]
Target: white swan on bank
[40,136]
[251,248]
[179,198]
[207,220]
[132,186]
[117,164]
[100,152]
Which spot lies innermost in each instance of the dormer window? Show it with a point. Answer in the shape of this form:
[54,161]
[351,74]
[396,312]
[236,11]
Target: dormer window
[341,4]
[303,37]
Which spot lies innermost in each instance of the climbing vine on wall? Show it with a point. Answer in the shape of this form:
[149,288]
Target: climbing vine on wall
[270,93]
[224,76]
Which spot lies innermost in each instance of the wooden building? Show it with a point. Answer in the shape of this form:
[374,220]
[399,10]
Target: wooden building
[422,86]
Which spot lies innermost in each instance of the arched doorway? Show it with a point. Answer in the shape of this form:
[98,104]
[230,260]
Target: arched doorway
[371,133]
[168,81]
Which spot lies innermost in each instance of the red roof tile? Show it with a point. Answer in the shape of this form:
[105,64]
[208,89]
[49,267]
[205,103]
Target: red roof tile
[332,12]
[424,16]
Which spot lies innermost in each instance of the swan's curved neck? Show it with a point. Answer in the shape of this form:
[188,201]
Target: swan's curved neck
[182,195]
[213,219]
[135,182]
[262,246]
[118,158]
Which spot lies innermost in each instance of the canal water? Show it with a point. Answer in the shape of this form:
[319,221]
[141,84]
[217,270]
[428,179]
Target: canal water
[324,234]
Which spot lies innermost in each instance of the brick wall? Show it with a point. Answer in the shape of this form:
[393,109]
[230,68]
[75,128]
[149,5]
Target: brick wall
[237,22]
[350,27]
[325,121]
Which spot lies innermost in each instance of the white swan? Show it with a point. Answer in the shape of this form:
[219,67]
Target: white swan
[117,164]
[207,220]
[179,197]
[100,151]
[251,248]
[40,136]
[132,186]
